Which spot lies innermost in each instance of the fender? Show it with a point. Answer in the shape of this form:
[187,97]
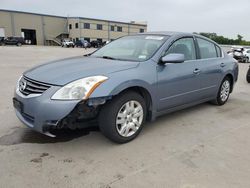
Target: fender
[108,90]
[119,81]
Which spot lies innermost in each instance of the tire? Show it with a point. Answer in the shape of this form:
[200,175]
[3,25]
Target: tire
[225,87]
[19,44]
[248,75]
[114,125]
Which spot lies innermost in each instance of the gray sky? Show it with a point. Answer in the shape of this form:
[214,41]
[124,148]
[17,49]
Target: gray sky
[225,17]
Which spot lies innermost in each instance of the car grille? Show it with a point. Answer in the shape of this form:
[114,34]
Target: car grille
[28,86]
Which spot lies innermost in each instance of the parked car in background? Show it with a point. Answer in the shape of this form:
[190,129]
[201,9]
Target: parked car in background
[105,42]
[96,44]
[82,43]
[240,54]
[248,75]
[246,53]
[68,43]
[1,41]
[19,41]
[133,79]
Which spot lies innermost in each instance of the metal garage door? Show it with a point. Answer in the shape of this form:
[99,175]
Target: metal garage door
[2,33]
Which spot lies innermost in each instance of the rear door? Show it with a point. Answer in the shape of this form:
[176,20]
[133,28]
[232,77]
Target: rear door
[212,65]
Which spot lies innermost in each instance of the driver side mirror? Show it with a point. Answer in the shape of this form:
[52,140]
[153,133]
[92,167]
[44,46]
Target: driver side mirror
[173,58]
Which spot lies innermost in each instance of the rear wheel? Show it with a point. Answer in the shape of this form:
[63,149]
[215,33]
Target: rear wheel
[122,119]
[248,75]
[224,92]
[19,44]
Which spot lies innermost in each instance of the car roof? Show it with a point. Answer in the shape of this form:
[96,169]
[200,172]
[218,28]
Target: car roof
[178,34]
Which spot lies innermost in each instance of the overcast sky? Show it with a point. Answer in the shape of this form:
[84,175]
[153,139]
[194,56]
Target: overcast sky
[225,17]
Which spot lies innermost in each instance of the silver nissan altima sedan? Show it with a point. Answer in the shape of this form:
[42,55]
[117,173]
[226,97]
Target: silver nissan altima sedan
[120,86]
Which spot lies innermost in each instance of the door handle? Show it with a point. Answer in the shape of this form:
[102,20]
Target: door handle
[197,71]
[222,64]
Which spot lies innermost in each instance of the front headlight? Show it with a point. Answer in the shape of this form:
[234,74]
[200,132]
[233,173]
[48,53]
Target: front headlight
[79,89]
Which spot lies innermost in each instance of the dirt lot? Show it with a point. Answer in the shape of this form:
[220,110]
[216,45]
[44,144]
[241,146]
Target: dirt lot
[202,147]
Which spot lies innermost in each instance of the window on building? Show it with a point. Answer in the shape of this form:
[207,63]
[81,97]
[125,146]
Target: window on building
[70,26]
[86,25]
[76,25]
[141,30]
[119,28]
[112,28]
[207,49]
[99,26]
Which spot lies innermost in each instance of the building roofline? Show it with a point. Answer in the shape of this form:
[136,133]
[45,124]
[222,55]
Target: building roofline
[96,19]
[37,14]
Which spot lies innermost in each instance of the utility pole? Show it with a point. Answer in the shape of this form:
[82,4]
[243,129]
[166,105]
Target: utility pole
[128,29]
[43,30]
[108,31]
[80,30]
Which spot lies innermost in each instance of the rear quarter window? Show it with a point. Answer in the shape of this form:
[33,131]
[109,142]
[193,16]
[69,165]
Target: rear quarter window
[207,49]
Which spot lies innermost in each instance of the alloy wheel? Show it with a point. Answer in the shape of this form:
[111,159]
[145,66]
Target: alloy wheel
[225,90]
[129,118]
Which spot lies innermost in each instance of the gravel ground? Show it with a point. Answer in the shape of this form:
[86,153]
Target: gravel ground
[201,147]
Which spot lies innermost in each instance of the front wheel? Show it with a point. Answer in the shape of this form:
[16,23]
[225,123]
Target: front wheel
[122,119]
[224,92]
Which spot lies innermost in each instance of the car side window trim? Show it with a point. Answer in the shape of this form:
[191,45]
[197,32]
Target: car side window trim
[198,49]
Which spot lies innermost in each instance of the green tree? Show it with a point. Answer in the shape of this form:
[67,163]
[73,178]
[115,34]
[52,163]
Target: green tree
[224,40]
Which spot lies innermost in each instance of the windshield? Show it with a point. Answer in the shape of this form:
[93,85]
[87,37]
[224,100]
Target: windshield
[132,48]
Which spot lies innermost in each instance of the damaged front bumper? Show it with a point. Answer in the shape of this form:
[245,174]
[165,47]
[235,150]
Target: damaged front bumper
[44,115]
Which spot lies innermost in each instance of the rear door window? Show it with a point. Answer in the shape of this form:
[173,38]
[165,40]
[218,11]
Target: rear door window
[218,50]
[207,49]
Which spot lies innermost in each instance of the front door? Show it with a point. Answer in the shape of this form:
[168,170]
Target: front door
[178,83]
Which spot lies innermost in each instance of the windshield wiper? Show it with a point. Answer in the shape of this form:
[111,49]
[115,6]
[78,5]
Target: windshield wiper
[112,58]
[108,57]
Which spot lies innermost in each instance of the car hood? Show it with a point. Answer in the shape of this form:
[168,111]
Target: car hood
[63,71]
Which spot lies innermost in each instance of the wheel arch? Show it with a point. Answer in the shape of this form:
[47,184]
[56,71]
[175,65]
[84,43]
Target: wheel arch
[230,76]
